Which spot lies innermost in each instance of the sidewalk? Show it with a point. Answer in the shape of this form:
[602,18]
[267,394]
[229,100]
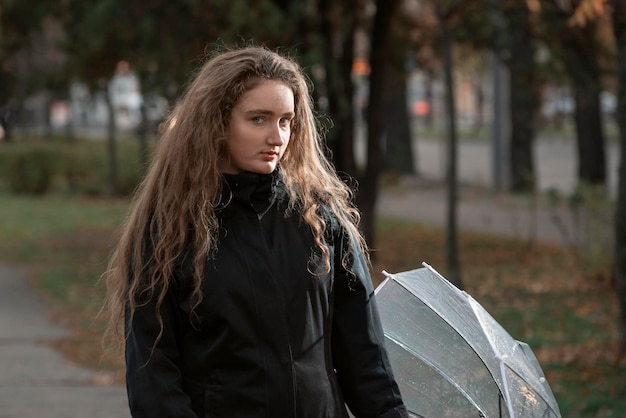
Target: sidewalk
[479,210]
[35,380]
[424,199]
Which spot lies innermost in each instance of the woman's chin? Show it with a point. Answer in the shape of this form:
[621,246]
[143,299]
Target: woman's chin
[263,169]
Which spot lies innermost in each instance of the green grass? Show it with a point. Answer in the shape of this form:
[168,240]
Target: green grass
[537,293]
[66,242]
[53,229]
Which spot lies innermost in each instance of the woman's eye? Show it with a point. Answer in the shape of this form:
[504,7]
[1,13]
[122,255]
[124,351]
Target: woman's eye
[285,122]
[257,119]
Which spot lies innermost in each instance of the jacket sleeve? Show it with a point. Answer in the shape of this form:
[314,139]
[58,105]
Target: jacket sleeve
[359,354]
[153,377]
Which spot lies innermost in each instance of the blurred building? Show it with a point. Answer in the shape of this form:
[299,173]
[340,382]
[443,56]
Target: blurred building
[86,112]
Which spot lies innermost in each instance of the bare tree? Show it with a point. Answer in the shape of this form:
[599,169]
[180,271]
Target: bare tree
[399,152]
[576,39]
[445,11]
[523,96]
[338,25]
[380,37]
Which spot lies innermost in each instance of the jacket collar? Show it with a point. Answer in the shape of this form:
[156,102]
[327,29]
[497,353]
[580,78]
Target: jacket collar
[253,189]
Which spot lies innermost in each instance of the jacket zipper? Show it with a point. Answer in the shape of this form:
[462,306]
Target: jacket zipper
[294,384]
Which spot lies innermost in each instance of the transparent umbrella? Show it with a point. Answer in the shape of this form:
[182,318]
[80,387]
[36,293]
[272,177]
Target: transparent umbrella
[451,358]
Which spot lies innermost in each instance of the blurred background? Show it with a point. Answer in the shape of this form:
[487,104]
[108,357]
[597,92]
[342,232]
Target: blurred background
[515,103]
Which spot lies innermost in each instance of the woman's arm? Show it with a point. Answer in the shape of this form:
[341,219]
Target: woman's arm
[153,376]
[360,357]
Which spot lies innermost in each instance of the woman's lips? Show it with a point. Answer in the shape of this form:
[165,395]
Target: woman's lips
[270,155]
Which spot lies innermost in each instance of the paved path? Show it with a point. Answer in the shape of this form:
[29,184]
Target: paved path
[421,201]
[35,380]
[555,162]
[480,207]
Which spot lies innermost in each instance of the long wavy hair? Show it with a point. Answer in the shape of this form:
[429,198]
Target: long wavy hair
[174,209]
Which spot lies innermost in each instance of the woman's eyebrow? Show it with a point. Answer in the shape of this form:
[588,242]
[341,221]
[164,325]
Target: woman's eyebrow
[259,111]
[266,112]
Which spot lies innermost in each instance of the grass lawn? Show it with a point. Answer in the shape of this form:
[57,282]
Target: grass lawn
[541,295]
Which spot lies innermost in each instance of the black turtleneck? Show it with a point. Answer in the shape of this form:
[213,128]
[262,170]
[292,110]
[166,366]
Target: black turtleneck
[259,192]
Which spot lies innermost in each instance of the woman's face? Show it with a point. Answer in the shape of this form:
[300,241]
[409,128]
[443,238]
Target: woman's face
[260,128]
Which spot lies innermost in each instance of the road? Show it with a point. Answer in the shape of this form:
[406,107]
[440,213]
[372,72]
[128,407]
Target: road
[555,162]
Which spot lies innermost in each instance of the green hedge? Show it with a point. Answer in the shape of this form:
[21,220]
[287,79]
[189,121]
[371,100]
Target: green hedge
[80,167]
[31,170]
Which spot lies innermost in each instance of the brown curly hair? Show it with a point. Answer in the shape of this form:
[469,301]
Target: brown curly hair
[173,210]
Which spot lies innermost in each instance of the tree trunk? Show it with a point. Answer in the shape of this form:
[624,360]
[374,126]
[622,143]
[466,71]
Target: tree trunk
[399,147]
[346,140]
[619,28]
[582,64]
[589,134]
[429,118]
[368,190]
[578,47]
[452,252]
[479,99]
[398,136]
[339,89]
[70,132]
[142,137]
[47,128]
[5,112]
[111,146]
[6,123]
[523,101]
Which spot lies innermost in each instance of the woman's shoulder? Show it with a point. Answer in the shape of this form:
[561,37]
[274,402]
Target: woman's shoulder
[334,228]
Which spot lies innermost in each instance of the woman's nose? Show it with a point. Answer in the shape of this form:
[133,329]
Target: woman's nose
[277,135]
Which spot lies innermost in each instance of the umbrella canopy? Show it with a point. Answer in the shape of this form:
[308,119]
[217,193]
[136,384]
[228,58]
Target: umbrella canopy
[451,358]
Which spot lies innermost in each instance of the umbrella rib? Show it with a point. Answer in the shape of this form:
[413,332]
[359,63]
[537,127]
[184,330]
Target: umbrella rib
[505,383]
[388,276]
[545,401]
[441,372]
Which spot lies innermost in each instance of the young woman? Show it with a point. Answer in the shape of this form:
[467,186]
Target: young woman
[240,275]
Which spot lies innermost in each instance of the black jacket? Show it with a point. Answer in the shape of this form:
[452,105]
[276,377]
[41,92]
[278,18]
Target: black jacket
[270,338]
